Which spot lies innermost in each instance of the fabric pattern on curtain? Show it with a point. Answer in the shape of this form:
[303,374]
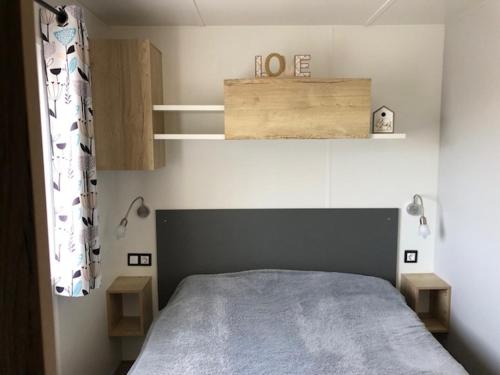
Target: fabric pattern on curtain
[77,251]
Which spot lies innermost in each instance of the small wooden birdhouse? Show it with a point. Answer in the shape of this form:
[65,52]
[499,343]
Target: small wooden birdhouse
[383,120]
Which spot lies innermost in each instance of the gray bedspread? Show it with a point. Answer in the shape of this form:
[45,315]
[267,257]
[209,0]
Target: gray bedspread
[290,322]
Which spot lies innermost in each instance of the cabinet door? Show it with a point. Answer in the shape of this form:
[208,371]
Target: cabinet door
[122,100]
[157,98]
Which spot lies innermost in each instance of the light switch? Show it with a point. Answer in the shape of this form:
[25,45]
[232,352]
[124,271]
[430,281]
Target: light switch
[139,259]
[133,260]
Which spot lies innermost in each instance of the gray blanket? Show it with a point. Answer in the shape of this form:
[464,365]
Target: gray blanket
[290,322]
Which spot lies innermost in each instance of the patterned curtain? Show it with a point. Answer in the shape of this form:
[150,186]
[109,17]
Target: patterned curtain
[76,256]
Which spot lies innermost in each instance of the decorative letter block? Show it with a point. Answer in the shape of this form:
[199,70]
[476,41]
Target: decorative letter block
[281,61]
[258,67]
[302,65]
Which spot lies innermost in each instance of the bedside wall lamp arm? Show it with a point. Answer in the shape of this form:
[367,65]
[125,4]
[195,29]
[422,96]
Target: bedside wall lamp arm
[131,205]
[416,208]
[421,203]
[142,211]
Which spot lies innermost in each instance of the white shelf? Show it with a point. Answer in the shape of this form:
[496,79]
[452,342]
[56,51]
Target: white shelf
[189,108]
[388,136]
[212,137]
[220,108]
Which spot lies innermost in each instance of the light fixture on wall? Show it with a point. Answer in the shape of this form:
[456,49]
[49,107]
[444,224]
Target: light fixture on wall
[142,211]
[416,208]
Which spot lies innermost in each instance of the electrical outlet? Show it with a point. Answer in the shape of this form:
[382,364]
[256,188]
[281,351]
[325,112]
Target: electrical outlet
[411,256]
[139,259]
[145,260]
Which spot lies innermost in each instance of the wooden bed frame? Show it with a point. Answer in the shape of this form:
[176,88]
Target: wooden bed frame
[362,241]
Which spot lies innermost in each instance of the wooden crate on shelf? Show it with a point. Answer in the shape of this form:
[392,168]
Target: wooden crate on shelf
[302,108]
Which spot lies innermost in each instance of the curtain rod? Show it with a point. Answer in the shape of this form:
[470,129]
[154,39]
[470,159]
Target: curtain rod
[61,15]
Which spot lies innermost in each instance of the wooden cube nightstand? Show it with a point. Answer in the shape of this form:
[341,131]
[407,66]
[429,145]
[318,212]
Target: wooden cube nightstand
[429,297]
[119,324]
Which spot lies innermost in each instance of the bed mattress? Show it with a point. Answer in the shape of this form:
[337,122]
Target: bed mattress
[290,322]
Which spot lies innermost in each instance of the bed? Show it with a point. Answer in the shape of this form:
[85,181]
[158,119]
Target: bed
[309,320]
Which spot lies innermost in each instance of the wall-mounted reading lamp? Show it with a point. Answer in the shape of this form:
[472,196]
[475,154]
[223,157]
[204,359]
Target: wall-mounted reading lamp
[142,211]
[416,208]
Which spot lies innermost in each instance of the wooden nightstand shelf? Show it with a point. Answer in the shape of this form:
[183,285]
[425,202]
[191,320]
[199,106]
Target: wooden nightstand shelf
[430,298]
[119,324]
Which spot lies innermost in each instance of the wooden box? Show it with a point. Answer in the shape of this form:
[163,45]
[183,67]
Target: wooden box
[126,83]
[274,108]
[120,324]
[430,298]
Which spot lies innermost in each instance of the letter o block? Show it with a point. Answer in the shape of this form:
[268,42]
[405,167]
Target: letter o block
[282,64]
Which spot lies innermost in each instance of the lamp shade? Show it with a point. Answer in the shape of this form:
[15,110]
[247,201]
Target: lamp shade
[424,229]
[121,229]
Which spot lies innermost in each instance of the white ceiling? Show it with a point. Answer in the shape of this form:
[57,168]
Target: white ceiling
[273,12]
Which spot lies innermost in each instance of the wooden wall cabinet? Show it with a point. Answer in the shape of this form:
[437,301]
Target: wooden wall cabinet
[126,82]
[303,108]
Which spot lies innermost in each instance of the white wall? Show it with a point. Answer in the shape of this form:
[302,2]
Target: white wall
[405,63]
[468,251]
[83,344]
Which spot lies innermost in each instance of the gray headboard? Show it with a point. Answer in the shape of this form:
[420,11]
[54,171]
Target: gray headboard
[362,241]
